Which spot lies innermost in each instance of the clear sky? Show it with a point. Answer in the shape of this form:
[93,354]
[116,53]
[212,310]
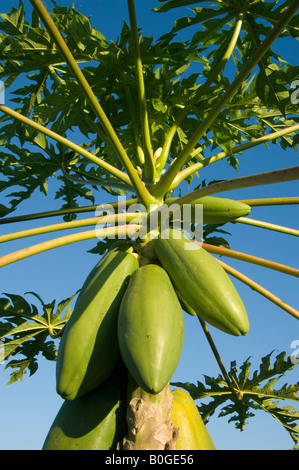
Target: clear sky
[27,409]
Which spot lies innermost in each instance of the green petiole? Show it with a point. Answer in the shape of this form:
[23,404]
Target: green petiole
[58,138]
[251,259]
[238,149]
[60,212]
[261,290]
[148,151]
[271,177]
[115,219]
[267,225]
[272,201]
[125,230]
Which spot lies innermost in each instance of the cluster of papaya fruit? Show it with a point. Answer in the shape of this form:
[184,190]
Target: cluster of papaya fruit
[128,319]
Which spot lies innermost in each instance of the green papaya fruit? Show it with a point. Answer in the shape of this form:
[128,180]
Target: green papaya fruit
[89,350]
[217,210]
[95,421]
[193,435]
[202,282]
[151,328]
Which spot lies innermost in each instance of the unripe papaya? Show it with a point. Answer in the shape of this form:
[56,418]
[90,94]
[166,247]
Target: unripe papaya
[95,421]
[193,435]
[151,328]
[89,348]
[202,282]
[217,210]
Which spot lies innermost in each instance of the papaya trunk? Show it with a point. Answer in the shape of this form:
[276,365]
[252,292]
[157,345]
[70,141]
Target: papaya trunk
[149,420]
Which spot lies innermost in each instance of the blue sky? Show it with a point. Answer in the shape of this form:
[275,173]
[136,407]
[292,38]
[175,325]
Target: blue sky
[28,408]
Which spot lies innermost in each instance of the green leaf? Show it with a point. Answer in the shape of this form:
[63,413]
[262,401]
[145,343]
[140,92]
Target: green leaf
[255,393]
[26,333]
[170,4]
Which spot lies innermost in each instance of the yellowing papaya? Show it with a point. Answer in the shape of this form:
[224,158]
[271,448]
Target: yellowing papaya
[151,328]
[95,421]
[89,348]
[202,282]
[217,210]
[193,435]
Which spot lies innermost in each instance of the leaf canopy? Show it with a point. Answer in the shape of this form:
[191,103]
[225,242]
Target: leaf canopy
[174,71]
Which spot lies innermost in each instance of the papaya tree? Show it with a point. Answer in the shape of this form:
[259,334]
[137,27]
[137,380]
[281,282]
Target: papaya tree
[145,133]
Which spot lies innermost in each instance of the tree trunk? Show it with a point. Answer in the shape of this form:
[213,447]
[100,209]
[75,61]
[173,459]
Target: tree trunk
[149,420]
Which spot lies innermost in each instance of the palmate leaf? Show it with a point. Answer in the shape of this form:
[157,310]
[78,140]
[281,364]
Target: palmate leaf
[254,393]
[26,333]
[258,19]
[23,168]
[70,192]
[29,47]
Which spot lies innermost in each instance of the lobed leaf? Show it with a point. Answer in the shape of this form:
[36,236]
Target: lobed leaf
[255,393]
[26,333]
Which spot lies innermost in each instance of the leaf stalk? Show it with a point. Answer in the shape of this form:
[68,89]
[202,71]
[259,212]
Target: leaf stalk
[261,290]
[68,143]
[251,259]
[115,219]
[60,212]
[237,394]
[238,149]
[271,201]
[270,177]
[216,354]
[148,152]
[268,226]
[125,230]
